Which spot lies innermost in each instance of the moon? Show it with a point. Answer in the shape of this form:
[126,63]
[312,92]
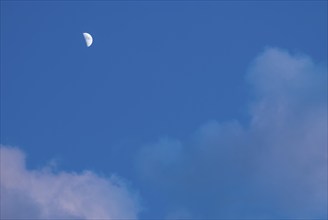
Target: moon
[88,39]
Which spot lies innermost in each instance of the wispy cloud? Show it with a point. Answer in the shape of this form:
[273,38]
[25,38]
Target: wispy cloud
[273,167]
[43,194]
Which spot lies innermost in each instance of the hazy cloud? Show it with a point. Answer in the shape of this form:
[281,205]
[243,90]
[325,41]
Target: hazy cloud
[273,167]
[43,194]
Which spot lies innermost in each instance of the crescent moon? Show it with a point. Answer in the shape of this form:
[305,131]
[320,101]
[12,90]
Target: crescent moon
[88,39]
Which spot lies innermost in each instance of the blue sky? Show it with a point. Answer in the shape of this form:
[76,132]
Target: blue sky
[182,101]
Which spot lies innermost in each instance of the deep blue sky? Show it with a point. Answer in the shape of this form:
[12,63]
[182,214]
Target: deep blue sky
[156,69]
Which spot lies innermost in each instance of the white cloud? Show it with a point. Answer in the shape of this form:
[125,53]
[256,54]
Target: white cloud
[43,194]
[274,167]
